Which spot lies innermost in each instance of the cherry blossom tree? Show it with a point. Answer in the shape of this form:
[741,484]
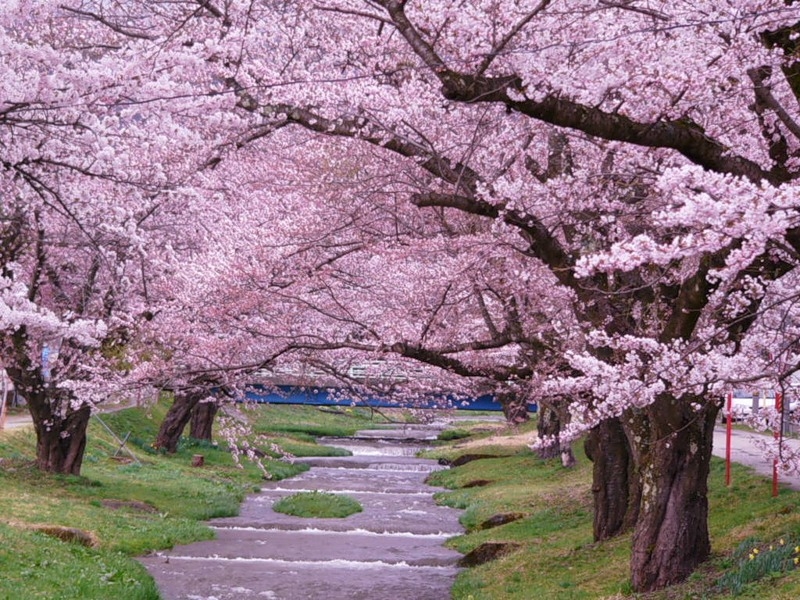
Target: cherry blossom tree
[64,266]
[85,177]
[665,301]
[640,159]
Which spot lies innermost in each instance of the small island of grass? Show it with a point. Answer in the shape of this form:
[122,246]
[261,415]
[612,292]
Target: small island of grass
[323,505]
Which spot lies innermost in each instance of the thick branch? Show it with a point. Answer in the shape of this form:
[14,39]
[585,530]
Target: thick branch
[499,47]
[764,94]
[681,135]
[543,244]
[360,128]
[456,366]
[110,24]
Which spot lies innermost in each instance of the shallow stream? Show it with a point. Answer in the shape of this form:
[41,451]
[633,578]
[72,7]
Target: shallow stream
[393,550]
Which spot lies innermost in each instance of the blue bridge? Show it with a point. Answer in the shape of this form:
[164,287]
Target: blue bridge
[286,394]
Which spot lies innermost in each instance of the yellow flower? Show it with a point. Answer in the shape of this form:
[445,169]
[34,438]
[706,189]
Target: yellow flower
[755,550]
[752,556]
[797,549]
[796,560]
[781,542]
[771,548]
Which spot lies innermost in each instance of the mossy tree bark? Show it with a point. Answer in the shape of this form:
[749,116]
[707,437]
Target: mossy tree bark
[672,446]
[60,446]
[515,407]
[615,484]
[548,426]
[59,420]
[202,420]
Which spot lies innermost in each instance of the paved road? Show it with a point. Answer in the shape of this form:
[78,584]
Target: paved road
[745,452]
[16,421]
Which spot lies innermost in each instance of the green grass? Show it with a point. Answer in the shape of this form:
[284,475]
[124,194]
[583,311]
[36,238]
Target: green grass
[557,558]
[130,507]
[37,566]
[453,434]
[320,505]
[308,422]
[295,429]
[166,501]
[753,561]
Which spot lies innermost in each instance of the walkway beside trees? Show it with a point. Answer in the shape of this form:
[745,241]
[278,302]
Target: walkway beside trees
[745,452]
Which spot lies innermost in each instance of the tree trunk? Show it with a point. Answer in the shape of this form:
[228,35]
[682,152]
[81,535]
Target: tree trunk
[60,428]
[615,485]
[548,426]
[60,447]
[515,408]
[178,415]
[673,448]
[202,420]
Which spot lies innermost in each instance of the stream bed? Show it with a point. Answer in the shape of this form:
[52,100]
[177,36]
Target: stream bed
[392,550]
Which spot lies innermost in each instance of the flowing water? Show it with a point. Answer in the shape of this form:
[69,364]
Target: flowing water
[393,550]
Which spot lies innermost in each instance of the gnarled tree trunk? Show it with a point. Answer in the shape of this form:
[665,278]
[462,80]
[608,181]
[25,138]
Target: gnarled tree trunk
[202,419]
[548,426]
[60,447]
[60,427]
[515,408]
[615,484]
[673,449]
[178,415]
[551,419]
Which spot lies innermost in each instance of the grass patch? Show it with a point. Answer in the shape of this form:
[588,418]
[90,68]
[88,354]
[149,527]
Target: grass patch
[453,434]
[557,558]
[295,428]
[309,422]
[322,505]
[129,507]
[37,566]
[754,561]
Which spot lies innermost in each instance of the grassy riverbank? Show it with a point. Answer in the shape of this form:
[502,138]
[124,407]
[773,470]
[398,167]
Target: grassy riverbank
[123,505]
[551,553]
[128,508]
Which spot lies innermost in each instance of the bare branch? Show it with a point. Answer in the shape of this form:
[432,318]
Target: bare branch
[498,49]
[357,13]
[681,135]
[111,25]
[487,318]
[424,50]
[628,5]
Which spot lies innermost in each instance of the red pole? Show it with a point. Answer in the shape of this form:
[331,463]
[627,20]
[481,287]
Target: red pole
[778,434]
[728,434]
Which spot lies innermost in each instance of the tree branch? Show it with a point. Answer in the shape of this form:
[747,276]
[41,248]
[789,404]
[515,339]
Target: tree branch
[510,35]
[112,26]
[764,94]
[680,135]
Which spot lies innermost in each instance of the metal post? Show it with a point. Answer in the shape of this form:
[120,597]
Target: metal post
[3,399]
[114,435]
[778,433]
[728,436]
